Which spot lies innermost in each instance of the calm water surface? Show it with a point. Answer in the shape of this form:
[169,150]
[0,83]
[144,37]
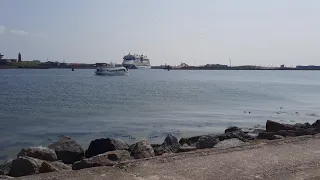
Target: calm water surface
[38,106]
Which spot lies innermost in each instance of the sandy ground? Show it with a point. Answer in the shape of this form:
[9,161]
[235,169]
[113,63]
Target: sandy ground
[294,158]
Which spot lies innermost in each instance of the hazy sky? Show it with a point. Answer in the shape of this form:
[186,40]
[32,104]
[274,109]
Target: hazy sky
[269,32]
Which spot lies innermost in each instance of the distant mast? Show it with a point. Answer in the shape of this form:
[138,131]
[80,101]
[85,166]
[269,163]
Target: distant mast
[230,62]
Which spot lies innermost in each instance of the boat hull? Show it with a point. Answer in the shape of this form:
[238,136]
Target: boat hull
[111,74]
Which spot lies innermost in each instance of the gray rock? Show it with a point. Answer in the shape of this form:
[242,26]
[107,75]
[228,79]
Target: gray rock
[53,167]
[272,126]
[186,148]
[190,141]
[100,146]
[109,158]
[158,149]
[207,142]
[171,143]
[23,166]
[5,167]
[142,149]
[234,142]
[232,129]
[67,150]
[46,167]
[267,135]
[239,134]
[316,125]
[43,153]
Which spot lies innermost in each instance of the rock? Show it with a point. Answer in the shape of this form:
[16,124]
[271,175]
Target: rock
[43,153]
[61,166]
[234,142]
[190,141]
[171,143]
[53,167]
[142,149]
[46,167]
[100,146]
[298,132]
[186,149]
[232,129]
[272,126]
[301,126]
[158,149]
[5,167]
[109,158]
[316,125]
[239,134]
[67,150]
[23,166]
[207,142]
[267,135]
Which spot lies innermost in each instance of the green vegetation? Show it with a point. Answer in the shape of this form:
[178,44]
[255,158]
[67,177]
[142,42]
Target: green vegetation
[24,64]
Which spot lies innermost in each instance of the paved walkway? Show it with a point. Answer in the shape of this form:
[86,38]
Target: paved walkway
[296,158]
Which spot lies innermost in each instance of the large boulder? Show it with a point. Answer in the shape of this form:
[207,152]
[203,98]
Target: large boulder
[190,141]
[100,146]
[207,142]
[43,153]
[272,126]
[67,150]
[23,166]
[316,125]
[5,167]
[109,158]
[169,145]
[234,142]
[142,149]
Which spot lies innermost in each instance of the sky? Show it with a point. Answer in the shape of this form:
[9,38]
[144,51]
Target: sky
[268,33]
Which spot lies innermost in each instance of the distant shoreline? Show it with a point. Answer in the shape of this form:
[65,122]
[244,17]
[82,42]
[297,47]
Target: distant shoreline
[184,68]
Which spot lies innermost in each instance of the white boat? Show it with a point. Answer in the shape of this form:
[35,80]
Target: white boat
[111,70]
[136,61]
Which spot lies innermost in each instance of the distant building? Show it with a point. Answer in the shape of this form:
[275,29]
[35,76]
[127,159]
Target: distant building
[282,66]
[9,60]
[1,55]
[19,57]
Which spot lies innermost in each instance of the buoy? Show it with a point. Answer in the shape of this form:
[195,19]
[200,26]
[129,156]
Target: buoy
[72,69]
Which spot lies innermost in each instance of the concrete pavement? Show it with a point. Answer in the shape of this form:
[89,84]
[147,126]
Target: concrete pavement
[294,158]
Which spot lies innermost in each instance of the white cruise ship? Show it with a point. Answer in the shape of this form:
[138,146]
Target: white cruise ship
[135,61]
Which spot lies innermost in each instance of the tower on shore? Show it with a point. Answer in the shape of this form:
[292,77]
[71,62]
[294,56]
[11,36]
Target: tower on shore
[19,57]
[1,55]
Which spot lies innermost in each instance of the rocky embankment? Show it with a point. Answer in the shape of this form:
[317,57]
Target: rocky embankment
[66,154]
